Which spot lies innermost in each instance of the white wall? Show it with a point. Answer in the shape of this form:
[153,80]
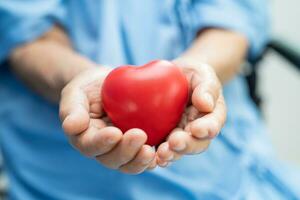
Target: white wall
[280,84]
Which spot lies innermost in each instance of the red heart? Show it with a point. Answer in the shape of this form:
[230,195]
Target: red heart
[151,97]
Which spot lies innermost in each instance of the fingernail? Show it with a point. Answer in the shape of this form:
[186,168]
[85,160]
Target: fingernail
[179,147]
[209,99]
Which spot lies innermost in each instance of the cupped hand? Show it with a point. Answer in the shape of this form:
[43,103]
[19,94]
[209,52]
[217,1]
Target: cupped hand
[91,132]
[204,116]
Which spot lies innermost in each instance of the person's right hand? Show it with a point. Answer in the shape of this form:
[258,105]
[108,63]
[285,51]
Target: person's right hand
[89,131]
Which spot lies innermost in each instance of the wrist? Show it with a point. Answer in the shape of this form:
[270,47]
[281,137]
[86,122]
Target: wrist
[187,60]
[189,64]
[71,71]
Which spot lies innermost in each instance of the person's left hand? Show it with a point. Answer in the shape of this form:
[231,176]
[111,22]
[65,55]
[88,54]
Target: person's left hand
[203,118]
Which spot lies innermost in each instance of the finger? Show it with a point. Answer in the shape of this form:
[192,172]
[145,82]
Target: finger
[162,163]
[94,97]
[142,160]
[107,121]
[210,124]
[184,143]
[125,151]
[192,113]
[206,88]
[94,141]
[75,104]
[152,165]
[184,120]
[74,110]
[165,154]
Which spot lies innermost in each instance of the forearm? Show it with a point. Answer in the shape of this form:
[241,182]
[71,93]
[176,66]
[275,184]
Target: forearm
[225,51]
[48,63]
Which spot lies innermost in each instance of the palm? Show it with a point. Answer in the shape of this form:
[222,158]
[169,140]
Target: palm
[93,95]
[85,90]
[90,132]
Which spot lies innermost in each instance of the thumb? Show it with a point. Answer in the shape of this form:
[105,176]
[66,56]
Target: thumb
[74,111]
[206,89]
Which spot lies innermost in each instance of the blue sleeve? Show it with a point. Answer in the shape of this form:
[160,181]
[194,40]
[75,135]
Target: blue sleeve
[249,17]
[24,21]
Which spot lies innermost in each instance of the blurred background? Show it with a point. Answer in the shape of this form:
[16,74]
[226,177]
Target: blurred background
[279,83]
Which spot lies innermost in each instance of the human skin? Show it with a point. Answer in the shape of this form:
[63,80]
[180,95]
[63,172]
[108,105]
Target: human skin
[54,70]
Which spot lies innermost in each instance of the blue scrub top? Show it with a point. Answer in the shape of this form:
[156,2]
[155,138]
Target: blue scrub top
[40,162]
